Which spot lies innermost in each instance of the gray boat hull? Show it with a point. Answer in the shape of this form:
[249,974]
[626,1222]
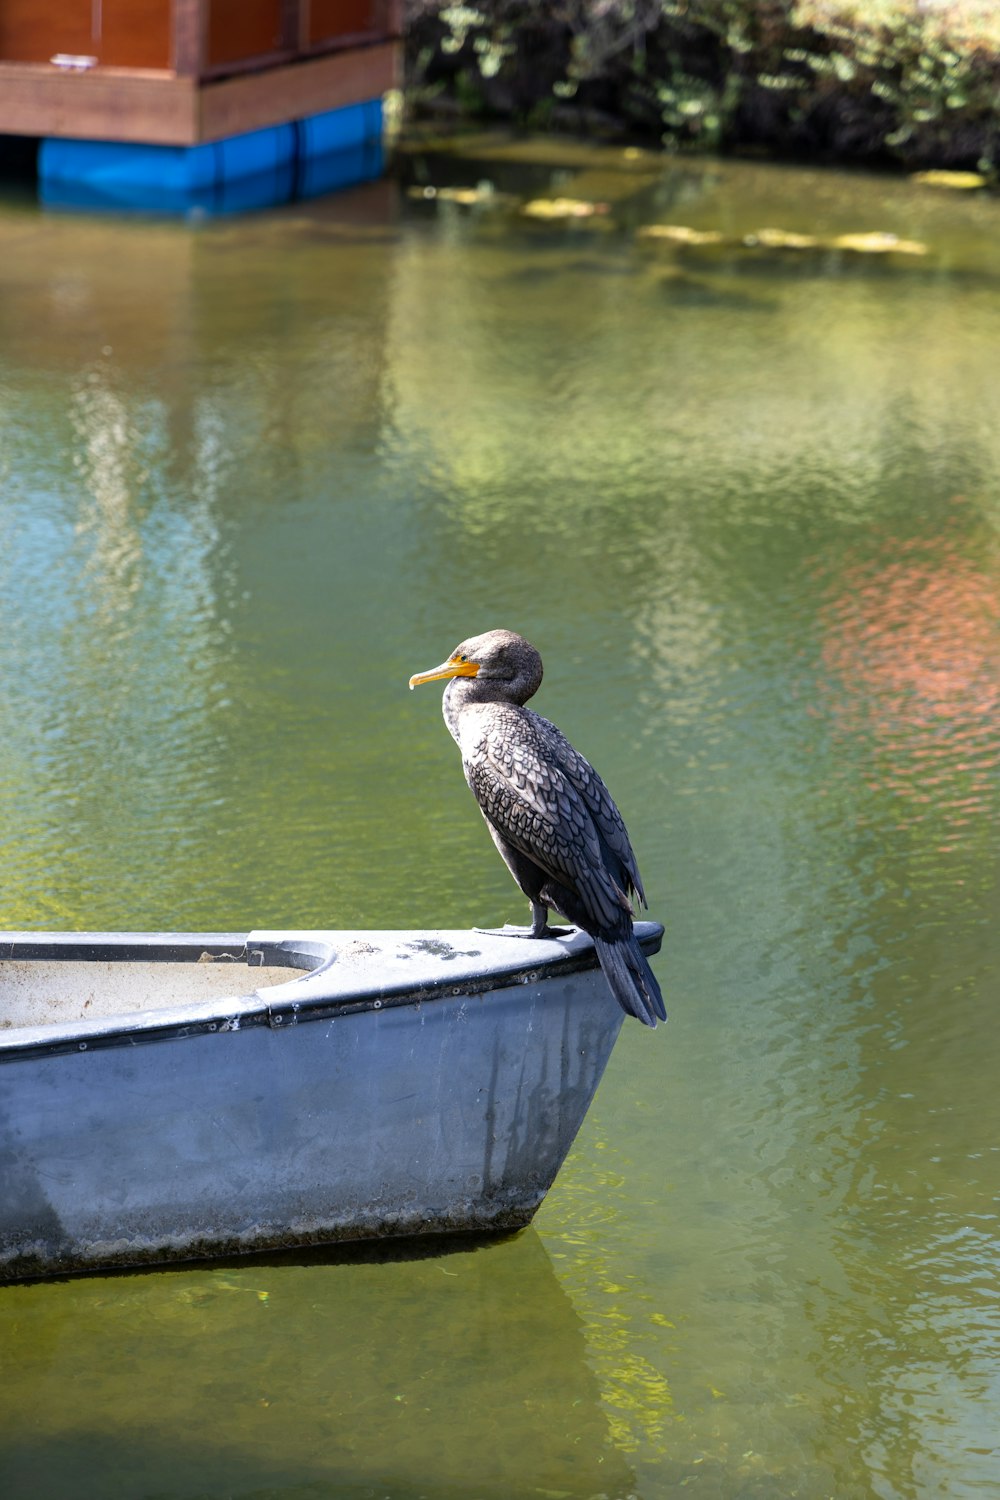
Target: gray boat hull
[411,1084]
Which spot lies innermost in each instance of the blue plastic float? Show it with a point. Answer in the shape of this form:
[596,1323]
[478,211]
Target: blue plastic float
[319,154]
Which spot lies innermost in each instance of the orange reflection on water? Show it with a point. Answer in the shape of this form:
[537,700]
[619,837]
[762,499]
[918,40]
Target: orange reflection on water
[911,646]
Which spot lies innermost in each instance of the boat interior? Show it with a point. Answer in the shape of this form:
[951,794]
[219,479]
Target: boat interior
[45,991]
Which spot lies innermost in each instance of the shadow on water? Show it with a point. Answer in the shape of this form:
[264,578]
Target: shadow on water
[378,1252]
[295,1376]
[684,291]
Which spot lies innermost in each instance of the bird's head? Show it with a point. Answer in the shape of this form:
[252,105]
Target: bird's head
[503,664]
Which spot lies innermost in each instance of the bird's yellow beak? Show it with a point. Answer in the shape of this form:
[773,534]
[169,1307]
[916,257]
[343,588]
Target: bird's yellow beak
[455,666]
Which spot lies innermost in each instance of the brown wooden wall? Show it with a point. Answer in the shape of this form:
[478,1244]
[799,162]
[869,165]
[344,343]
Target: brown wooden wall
[119,33]
[241,29]
[32,30]
[212,34]
[135,33]
[335,18]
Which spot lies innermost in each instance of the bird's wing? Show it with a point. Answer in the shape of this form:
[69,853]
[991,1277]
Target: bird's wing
[601,806]
[530,801]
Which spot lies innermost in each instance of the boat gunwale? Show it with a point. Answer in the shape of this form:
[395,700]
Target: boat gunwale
[276,1006]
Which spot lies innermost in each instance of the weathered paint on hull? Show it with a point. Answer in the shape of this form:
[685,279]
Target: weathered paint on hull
[447,1113]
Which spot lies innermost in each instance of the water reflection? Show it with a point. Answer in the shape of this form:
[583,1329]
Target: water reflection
[401,1379]
[116,597]
[912,647]
[910,684]
[327,443]
[138,395]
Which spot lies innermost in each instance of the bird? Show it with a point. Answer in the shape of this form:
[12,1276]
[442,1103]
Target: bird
[551,816]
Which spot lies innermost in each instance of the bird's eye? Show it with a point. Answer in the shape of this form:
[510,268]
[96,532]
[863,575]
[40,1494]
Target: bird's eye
[463,658]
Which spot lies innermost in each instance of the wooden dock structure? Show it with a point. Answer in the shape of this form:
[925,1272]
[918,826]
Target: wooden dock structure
[179,75]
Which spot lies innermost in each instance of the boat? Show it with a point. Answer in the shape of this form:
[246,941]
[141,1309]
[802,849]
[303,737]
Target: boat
[180,1096]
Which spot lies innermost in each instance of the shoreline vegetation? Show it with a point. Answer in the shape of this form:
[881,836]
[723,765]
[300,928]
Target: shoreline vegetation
[908,83]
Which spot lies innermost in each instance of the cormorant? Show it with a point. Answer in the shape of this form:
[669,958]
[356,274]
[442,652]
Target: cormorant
[551,816]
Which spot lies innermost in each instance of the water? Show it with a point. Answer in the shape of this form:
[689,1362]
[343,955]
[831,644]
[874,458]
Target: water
[254,474]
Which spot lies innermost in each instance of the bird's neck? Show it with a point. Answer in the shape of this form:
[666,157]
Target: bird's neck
[451,706]
[468,692]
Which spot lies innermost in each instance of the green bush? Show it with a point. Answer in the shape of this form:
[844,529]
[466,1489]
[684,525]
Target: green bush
[885,80]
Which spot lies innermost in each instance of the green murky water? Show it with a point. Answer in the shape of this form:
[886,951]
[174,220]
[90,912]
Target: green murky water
[746,501]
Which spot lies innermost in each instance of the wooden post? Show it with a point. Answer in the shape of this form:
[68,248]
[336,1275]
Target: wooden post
[294,25]
[190,33]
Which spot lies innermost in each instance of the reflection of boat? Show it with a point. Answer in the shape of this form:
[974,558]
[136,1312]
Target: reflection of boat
[398,1379]
[155,1107]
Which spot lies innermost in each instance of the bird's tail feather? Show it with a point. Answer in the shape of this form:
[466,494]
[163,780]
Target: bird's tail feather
[631,979]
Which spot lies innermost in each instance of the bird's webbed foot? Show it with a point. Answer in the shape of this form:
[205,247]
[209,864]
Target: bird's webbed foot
[539,927]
